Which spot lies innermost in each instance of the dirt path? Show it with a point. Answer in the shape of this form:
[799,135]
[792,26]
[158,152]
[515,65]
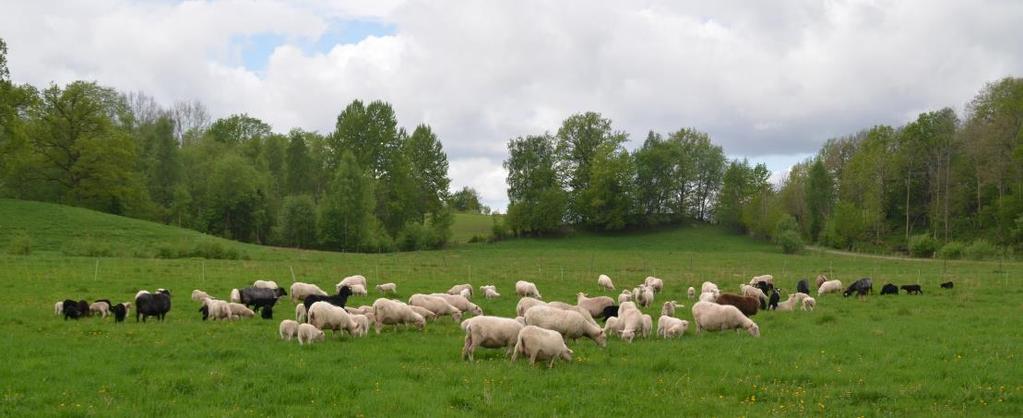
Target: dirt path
[854,254]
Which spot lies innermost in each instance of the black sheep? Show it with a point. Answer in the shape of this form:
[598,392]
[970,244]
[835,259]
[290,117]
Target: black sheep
[947,285]
[267,312]
[83,307]
[608,312]
[765,286]
[152,304]
[258,297]
[70,309]
[120,311]
[913,289]
[773,303]
[339,300]
[861,287]
[803,286]
[889,289]
[205,311]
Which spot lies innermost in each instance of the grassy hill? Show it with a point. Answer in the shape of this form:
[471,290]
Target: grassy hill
[894,355]
[469,225]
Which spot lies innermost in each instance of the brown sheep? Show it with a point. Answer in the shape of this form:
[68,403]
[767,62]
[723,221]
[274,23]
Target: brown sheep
[747,305]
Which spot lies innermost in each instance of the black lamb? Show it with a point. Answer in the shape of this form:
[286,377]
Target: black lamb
[889,289]
[339,300]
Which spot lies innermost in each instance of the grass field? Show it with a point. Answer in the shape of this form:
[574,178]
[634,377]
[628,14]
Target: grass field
[944,353]
[468,225]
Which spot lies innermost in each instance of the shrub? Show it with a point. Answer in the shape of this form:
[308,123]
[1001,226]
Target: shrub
[953,250]
[499,230]
[790,242]
[922,245]
[981,250]
[202,249]
[20,245]
[414,237]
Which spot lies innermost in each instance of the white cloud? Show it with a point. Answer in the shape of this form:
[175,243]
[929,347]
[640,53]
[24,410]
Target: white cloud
[764,79]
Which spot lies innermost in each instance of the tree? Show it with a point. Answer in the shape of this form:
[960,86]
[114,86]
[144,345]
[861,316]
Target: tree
[236,195]
[160,165]
[238,129]
[579,138]
[537,202]
[370,133]
[741,183]
[609,196]
[819,197]
[466,200]
[654,163]
[299,167]
[429,166]
[298,221]
[346,217]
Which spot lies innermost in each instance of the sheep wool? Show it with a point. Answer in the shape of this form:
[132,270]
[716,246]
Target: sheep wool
[541,344]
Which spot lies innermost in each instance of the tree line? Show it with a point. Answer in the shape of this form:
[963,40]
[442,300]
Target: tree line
[367,186]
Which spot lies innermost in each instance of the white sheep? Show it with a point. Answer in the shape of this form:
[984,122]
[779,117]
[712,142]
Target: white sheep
[393,312]
[594,305]
[491,293]
[218,309]
[766,278]
[525,303]
[625,296]
[708,297]
[654,283]
[435,304]
[489,332]
[747,290]
[809,303]
[323,315]
[199,295]
[265,284]
[458,288]
[308,334]
[648,325]
[363,321]
[524,288]
[387,288]
[351,280]
[790,304]
[58,308]
[605,282]
[691,292]
[614,326]
[240,311]
[821,278]
[711,316]
[571,324]
[669,326]
[426,313]
[645,296]
[300,313]
[830,286]
[668,308]
[711,288]
[360,310]
[236,296]
[538,343]
[569,307]
[101,308]
[300,290]
[461,302]
[288,329]
[465,293]
[358,290]
[631,321]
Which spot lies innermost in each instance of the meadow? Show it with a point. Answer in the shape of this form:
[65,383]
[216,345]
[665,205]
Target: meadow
[947,352]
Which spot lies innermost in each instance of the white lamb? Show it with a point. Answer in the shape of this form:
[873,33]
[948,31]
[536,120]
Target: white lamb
[646,296]
[790,304]
[435,304]
[300,314]
[525,303]
[387,288]
[288,329]
[199,295]
[569,323]
[489,332]
[323,315]
[614,326]
[670,327]
[491,293]
[654,283]
[809,303]
[300,290]
[538,343]
[236,296]
[626,296]
[393,312]
[308,334]
[710,287]
[461,302]
[747,290]
[830,286]
[101,308]
[363,322]
[708,297]
[669,308]
[351,280]
[361,310]
[265,284]
[358,290]
[58,308]
[711,316]
[691,292]
[240,311]
[605,282]
[594,305]
[631,322]
[648,325]
[218,310]
[458,288]
[524,288]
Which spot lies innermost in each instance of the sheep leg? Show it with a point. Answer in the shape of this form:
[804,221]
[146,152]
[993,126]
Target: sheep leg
[551,364]
[532,358]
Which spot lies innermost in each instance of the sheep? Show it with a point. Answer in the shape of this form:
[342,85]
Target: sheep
[711,316]
[909,288]
[594,305]
[795,299]
[766,278]
[654,283]
[524,288]
[747,305]
[387,288]
[351,280]
[240,311]
[948,285]
[691,292]
[626,296]
[70,309]
[120,311]
[458,288]
[363,321]
[339,300]
[489,332]
[152,304]
[323,315]
[361,310]
[258,297]
[490,293]
[101,307]
[83,307]
[648,325]
[605,282]
[539,343]
[265,284]
[614,326]
[861,287]
[803,287]
[747,290]
[646,296]
[889,289]
[630,319]
[821,278]
[461,302]
[394,312]
[710,287]
[299,291]
[199,295]
[236,296]
[668,308]
[300,313]
[308,334]
[58,308]
[708,297]
[359,290]
[426,313]
[525,303]
[669,327]
[216,309]
[436,305]
[830,286]
[809,303]
[772,303]
[609,312]
[567,307]
[288,329]
[569,323]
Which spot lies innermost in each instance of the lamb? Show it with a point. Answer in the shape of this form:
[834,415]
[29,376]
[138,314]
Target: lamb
[747,305]
[570,324]
[820,280]
[152,304]
[948,285]
[288,329]
[323,315]
[809,303]
[436,305]
[668,308]
[58,308]
[767,278]
[458,288]
[265,284]
[70,309]
[626,296]
[120,311]
[524,288]
[772,303]
[708,297]
[630,319]
[670,327]
[889,289]
[614,326]
[217,309]
[861,287]
[912,289]
[362,310]
[394,312]
[258,297]
[461,302]
[605,282]
[526,303]
[351,280]
[300,313]
[654,283]
[803,287]
[387,288]
[426,313]
[711,316]
[101,307]
[339,300]
[363,321]
[691,292]
[648,325]
[240,311]
[567,307]
[747,290]
[199,295]
[359,290]
[794,300]
[709,287]
[594,305]
[490,292]
[308,334]
[299,291]
[645,296]
[235,296]
[489,332]
[539,343]
[830,286]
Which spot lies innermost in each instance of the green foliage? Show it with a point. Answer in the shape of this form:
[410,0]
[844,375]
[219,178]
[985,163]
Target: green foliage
[923,245]
[467,200]
[981,249]
[20,244]
[237,194]
[346,217]
[537,201]
[608,202]
[845,227]
[580,139]
[298,221]
[819,195]
[952,250]
[238,129]
[790,242]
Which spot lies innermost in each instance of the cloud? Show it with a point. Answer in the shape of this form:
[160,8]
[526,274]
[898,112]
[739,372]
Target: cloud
[767,80]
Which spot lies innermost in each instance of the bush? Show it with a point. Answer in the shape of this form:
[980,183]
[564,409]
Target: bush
[499,230]
[981,250]
[922,246]
[202,249]
[20,245]
[415,237]
[790,242]
[953,250]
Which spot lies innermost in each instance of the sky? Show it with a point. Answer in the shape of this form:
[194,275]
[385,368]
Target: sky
[769,81]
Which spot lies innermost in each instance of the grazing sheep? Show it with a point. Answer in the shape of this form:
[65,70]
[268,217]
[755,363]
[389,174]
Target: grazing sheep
[747,290]
[648,325]
[710,287]
[630,319]
[240,311]
[362,310]
[670,327]
[691,293]
[199,295]
[299,291]
[101,307]
[711,316]
[830,286]
[646,296]
[861,287]
[393,312]
[359,290]
[258,297]
[489,332]
[889,289]
[654,283]
[809,303]
[538,343]
[339,300]
[58,308]
[458,288]
[747,305]
[668,308]
[947,285]
[490,293]
[323,315]
[387,288]
[70,309]
[461,302]
[152,304]
[609,312]
[605,282]
[803,286]
[568,307]
[772,302]
[614,326]
[236,296]
[267,312]
[435,304]
[571,324]
[288,329]
[708,297]
[626,296]
[265,284]
[363,321]
[351,280]
[767,278]
[820,280]
[524,288]
[790,304]
[909,288]
[308,334]
[216,309]
[300,313]
[525,303]
[83,307]
[120,311]
[594,305]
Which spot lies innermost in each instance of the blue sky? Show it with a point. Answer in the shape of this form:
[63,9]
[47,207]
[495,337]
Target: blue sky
[255,49]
